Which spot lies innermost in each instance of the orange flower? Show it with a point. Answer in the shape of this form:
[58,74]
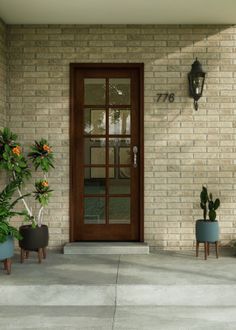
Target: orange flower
[45,183]
[46,148]
[17,150]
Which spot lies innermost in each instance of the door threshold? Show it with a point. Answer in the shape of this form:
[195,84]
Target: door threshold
[106,248]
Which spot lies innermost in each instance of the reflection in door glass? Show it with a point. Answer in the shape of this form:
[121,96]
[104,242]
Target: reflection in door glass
[94,210]
[119,210]
[124,172]
[94,151]
[119,91]
[121,184]
[95,121]
[97,172]
[121,150]
[124,155]
[94,91]
[119,142]
[119,121]
[98,155]
[94,185]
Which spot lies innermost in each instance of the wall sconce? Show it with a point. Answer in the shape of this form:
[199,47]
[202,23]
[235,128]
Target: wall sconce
[196,78]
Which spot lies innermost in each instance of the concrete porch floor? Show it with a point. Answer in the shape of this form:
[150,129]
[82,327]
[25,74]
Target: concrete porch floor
[162,290]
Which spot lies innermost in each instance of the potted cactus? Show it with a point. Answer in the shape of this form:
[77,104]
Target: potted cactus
[207,230]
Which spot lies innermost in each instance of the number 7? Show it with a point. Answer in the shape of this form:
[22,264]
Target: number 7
[166,96]
[158,97]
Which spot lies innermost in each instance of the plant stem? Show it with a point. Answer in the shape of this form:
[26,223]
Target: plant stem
[23,200]
[40,215]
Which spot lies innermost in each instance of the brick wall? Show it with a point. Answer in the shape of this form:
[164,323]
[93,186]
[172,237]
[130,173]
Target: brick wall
[3,69]
[3,82]
[183,148]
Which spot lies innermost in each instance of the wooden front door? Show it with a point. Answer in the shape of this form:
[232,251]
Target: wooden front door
[106,152]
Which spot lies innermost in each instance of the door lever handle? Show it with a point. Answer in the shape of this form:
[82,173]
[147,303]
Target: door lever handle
[135,151]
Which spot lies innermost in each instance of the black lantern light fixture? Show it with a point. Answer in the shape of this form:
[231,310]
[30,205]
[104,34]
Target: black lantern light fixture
[196,78]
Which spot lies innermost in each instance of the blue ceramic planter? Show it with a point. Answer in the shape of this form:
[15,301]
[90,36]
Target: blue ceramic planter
[207,231]
[7,249]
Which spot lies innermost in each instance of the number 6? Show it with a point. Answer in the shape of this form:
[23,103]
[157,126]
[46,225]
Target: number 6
[171,97]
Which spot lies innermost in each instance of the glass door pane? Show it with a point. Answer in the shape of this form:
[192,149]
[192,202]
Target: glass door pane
[119,121]
[95,121]
[94,91]
[119,91]
[119,210]
[120,185]
[94,210]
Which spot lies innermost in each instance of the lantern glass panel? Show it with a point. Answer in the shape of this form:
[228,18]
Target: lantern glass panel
[197,85]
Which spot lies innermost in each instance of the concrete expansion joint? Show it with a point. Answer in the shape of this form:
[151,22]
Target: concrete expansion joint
[115,301]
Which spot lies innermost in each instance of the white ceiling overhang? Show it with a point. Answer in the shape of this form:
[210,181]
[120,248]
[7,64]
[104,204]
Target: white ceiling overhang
[118,12]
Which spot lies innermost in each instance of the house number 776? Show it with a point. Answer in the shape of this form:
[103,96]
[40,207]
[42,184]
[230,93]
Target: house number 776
[165,97]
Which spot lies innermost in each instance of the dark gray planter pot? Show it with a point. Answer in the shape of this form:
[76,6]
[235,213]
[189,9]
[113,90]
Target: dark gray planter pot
[7,249]
[34,238]
[207,231]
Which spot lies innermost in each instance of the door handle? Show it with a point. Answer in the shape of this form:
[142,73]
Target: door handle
[135,152]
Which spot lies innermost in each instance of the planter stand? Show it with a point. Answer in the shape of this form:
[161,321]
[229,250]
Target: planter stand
[35,240]
[7,265]
[207,248]
[41,254]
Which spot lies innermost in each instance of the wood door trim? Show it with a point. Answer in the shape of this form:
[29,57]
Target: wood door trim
[140,68]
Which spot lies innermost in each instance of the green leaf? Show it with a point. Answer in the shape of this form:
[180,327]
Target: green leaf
[204,195]
[5,156]
[7,148]
[6,206]
[212,215]
[22,163]
[211,205]
[216,204]
[17,169]
[203,206]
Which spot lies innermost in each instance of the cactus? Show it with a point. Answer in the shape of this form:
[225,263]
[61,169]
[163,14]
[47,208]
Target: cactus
[208,204]
[204,200]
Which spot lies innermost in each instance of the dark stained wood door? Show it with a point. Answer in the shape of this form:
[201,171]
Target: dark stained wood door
[106,152]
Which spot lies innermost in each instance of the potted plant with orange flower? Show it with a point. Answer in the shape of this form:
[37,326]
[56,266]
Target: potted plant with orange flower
[35,235]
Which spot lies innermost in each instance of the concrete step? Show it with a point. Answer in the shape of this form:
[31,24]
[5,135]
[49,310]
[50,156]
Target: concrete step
[118,295]
[117,318]
[156,279]
[106,248]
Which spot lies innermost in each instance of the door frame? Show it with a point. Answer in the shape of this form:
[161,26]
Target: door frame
[140,68]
